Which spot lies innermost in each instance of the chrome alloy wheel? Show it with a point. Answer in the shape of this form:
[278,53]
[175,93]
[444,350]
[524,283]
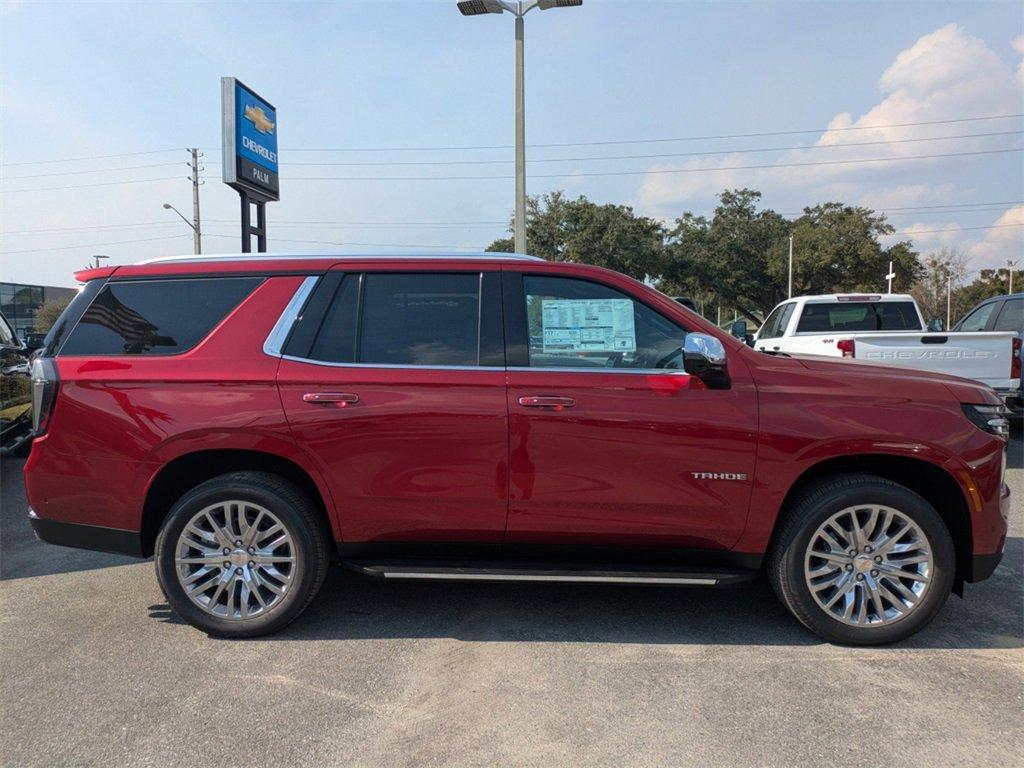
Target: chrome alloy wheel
[235,560]
[868,565]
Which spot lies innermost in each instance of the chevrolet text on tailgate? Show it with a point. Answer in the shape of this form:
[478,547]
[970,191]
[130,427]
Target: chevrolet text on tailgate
[248,420]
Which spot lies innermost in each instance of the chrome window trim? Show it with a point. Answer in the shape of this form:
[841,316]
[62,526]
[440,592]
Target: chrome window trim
[274,345]
[627,371]
[393,366]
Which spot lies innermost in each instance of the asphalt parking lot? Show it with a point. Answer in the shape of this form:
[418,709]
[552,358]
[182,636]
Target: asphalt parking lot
[97,671]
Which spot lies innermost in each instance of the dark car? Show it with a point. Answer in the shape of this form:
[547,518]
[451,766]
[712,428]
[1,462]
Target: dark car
[15,392]
[249,420]
[1000,313]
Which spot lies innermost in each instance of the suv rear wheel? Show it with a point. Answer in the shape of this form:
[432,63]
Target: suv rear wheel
[861,560]
[241,555]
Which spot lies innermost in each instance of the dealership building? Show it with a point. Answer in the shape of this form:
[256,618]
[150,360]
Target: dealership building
[20,303]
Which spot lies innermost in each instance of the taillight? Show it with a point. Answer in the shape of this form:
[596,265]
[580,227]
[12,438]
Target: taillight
[1015,363]
[44,393]
[846,346]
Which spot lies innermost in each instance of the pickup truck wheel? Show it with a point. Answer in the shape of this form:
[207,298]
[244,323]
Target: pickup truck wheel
[861,560]
[241,555]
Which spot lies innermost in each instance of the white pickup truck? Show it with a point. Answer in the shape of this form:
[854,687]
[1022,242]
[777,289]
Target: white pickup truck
[888,329]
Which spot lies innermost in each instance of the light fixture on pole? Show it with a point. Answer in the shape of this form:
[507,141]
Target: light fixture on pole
[197,248]
[1010,264]
[518,9]
[96,257]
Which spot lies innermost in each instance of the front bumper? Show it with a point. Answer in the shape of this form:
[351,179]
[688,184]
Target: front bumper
[96,537]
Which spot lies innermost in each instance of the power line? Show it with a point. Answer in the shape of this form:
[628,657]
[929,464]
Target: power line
[656,141]
[92,157]
[91,245]
[365,245]
[550,145]
[658,171]
[97,184]
[660,155]
[950,229]
[91,170]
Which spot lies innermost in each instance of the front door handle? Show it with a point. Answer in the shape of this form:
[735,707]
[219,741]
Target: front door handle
[544,401]
[329,398]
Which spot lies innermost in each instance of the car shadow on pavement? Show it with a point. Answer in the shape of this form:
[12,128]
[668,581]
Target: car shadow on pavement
[354,607]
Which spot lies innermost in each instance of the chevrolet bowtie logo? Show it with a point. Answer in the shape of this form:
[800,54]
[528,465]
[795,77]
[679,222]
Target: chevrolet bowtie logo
[258,118]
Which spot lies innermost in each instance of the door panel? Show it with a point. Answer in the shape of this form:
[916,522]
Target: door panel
[617,466]
[606,430]
[420,456]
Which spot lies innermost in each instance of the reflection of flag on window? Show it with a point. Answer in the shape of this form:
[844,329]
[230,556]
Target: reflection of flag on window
[138,333]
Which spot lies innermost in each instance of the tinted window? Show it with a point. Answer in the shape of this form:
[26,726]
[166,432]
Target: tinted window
[157,317]
[579,324]
[6,334]
[1011,317]
[420,319]
[777,322]
[842,316]
[336,341]
[978,319]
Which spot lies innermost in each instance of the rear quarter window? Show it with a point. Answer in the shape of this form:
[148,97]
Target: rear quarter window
[155,317]
[850,316]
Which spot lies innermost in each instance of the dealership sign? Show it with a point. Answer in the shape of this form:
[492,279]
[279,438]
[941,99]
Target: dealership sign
[249,129]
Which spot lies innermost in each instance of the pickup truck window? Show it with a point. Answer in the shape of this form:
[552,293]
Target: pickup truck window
[777,322]
[978,319]
[850,316]
[579,324]
[1011,316]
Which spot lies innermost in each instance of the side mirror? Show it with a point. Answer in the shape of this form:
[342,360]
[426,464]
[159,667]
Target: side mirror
[936,324]
[739,329]
[704,357]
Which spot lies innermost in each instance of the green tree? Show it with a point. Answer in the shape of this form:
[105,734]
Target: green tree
[742,253]
[48,313]
[612,236]
[989,283]
[942,273]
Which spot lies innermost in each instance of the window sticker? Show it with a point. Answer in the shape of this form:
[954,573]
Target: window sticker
[588,325]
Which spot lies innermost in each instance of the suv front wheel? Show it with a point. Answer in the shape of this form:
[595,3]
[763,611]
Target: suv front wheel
[241,555]
[861,560]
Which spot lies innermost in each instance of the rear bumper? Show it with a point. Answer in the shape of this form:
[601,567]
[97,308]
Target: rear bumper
[96,537]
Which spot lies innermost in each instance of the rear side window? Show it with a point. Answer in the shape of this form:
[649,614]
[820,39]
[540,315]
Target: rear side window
[1011,317]
[978,319]
[849,316]
[155,317]
[777,322]
[420,319]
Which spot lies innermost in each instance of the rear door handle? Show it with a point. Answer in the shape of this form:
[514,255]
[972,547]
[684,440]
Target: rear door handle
[327,398]
[543,401]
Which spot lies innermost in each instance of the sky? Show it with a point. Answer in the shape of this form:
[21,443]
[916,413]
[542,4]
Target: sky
[656,105]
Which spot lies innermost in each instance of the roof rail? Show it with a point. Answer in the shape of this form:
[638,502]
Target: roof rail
[342,257]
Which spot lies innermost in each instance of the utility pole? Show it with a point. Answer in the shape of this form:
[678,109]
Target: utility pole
[790,267]
[1009,268]
[890,276]
[197,236]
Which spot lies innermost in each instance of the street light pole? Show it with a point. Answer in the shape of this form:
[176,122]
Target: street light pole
[520,220]
[790,267]
[517,8]
[96,257]
[197,247]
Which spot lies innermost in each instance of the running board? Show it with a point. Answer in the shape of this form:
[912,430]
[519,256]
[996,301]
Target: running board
[547,572]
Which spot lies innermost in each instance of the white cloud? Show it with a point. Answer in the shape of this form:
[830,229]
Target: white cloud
[945,75]
[1004,242]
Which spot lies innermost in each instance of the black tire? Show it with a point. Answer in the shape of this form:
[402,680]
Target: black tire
[298,515]
[785,564]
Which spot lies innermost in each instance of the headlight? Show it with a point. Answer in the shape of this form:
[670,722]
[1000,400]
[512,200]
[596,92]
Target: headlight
[991,418]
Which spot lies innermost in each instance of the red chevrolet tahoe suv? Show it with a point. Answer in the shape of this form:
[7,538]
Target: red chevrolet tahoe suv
[249,419]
